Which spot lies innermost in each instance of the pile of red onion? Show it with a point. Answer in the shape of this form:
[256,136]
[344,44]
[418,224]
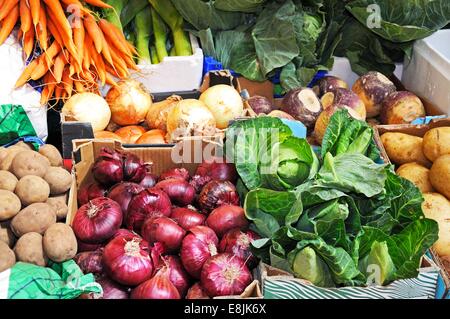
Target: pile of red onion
[168,237]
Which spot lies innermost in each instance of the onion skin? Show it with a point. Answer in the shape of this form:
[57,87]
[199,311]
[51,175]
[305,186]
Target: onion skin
[91,191]
[198,182]
[198,245]
[196,292]
[225,218]
[82,247]
[122,193]
[97,221]
[134,169]
[152,137]
[238,243]
[126,260]
[125,233]
[108,167]
[158,287]
[187,218]
[163,230]
[217,193]
[177,274]
[130,134]
[218,169]
[112,290]
[225,275]
[180,192]
[90,262]
[175,173]
[149,180]
[148,203]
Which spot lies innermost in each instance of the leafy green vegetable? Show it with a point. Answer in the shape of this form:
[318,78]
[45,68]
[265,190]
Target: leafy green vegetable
[307,265]
[378,265]
[239,5]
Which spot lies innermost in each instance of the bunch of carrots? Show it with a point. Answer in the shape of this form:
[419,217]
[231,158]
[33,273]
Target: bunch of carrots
[79,51]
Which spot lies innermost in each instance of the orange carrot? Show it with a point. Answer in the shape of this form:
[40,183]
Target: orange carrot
[41,69]
[8,24]
[67,82]
[78,37]
[25,76]
[99,3]
[54,32]
[111,36]
[20,34]
[25,16]
[58,67]
[34,9]
[28,43]
[94,32]
[41,29]
[99,65]
[106,52]
[51,53]
[79,86]
[110,80]
[6,8]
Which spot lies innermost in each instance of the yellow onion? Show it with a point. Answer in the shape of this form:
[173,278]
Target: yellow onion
[129,102]
[158,112]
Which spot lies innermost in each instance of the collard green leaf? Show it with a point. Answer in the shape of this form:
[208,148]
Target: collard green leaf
[308,265]
[337,125]
[239,5]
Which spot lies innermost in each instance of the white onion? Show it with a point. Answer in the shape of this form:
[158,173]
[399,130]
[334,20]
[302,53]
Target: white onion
[190,117]
[88,107]
[224,102]
[129,102]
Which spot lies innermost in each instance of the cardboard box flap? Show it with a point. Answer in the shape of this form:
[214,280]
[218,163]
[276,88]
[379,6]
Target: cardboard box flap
[253,291]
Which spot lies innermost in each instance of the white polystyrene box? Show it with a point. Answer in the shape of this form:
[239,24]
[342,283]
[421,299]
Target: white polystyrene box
[427,73]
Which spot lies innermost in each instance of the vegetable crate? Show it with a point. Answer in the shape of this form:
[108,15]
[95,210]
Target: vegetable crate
[279,284]
[160,158]
[443,290]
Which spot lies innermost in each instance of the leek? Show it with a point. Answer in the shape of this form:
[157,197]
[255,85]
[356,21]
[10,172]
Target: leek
[154,55]
[143,24]
[112,15]
[160,31]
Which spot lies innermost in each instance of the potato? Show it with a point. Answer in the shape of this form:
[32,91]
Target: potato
[25,146]
[52,154]
[60,243]
[401,107]
[7,257]
[440,175]
[29,163]
[418,175]
[436,142]
[35,218]
[8,181]
[59,203]
[32,189]
[58,179]
[437,207]
[6,235]
[11,153]
[373,88]
[9,205]
[403,148]
[29,249]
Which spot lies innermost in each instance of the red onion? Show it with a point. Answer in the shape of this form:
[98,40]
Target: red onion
[180,192]
[200,244]
[90,262]
[134,169]
[149,180]
[198,182]
[238,242]
[122,193]
[150,202]
[177,274]
[218,169]
[108,167]
[125,233]
[159,287]
[196,292]
[175,173]
[112,290]
[217,193]
[82,247]
[96,221]
[225,218]
[225,275]
[187,218]
[163,230]
[126,260]
[91,191]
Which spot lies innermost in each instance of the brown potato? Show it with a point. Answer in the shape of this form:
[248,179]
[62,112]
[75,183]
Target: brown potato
[8,181]
[58,179]
[35,218]
[29,163]
[32,189]
[25,146]
[7,257]
[59,203]
[9,205]
[437,207]
[440,175]
[29,249]
[403,148]
[401,107]
[11,153]
[52,154]
[6,235]
[418,175]
[436,142]
[60,243]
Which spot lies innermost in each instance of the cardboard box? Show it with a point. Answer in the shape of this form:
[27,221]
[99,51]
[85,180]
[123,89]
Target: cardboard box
[161,158]
[279,284]
[417,130]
